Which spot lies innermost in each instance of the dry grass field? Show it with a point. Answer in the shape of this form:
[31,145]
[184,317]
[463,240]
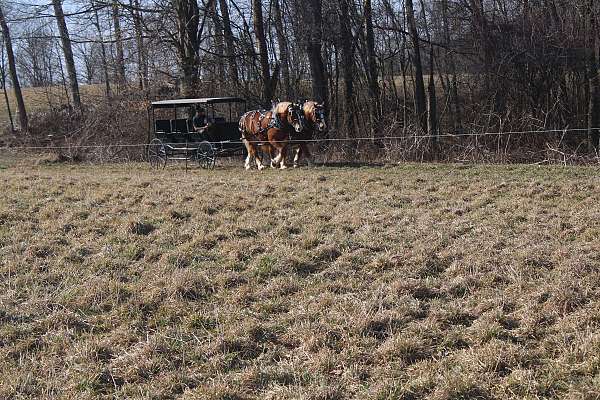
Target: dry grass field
[41,99]
[404,282]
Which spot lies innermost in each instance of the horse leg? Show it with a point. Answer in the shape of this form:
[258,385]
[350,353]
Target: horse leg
[283,155]
[274,158]
[277,159]
[297,156]
[259,164]
[302,151]
[275,155]
[249,157]
[252,155]
[307,154]
[274,146]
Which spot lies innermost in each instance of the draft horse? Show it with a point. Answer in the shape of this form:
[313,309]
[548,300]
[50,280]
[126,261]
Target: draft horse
[314,117]
[253,136]
[271,131]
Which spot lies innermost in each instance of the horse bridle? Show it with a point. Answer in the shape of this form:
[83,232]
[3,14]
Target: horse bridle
[295,111]
[319,114]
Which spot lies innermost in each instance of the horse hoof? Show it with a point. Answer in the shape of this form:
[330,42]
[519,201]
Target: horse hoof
[295,165]
[283,167]
[247,167]
[261,167]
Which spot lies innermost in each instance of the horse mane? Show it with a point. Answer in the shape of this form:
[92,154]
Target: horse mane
[281,107]
[309,107]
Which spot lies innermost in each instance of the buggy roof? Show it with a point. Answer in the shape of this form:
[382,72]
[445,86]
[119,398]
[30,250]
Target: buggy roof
[191,102]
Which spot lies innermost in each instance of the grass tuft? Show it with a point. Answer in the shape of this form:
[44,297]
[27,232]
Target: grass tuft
[140,228]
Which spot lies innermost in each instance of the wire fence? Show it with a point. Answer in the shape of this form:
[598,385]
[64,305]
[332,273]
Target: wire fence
[553,146]
[316,140]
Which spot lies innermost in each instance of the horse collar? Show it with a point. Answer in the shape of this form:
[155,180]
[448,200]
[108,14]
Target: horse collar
[275,122]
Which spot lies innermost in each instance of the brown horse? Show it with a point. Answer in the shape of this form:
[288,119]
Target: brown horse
[271,131]
[286,120]
[253,136]
[314,116]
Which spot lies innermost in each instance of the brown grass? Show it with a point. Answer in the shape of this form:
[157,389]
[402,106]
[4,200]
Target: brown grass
[43,98]
[416,281]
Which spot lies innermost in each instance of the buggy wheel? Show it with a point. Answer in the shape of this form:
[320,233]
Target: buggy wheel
[206,155]
[157,154]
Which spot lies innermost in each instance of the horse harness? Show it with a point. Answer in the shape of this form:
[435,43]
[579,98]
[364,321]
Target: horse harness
[274,123]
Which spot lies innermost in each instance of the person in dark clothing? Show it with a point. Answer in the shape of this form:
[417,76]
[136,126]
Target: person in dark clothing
[200,121]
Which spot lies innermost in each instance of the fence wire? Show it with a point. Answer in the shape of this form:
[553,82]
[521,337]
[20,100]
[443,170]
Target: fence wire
[320,140]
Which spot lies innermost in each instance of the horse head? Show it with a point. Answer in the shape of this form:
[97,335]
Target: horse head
[319,118]
[315,114]
[295,117]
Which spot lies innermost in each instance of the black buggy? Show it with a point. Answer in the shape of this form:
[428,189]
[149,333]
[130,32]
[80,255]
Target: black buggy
[172,135]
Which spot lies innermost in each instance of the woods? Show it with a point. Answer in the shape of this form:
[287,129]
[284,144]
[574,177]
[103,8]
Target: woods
[382,67]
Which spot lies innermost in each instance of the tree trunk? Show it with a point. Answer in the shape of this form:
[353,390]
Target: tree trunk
[283,49]
[315,40]
[68,53]
[347,65]
[269,83]
[62,77]
[3,74]
[229,43]
[372,67]
[120,72]
[431,95]
[481,31]
[400,26]
[432,128]
[188,16]
[103,53]
[451,65]
[139,41]
[23,121]
[218,41]
[89,68]
[420,107]
[594,85]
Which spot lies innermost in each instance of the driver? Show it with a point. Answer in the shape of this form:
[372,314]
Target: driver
[200,121]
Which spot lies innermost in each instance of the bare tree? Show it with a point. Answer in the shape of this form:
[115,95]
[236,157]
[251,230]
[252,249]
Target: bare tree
[23,121]
[188,16]
[347,49]
[282,45]
[104,62]
[4,90]
[455,115]
[89,62]
[218,39]
[372,74]
[420,108]
[432,123]
[142,61]
[34,60]
[120,62]
[229,42]
[311,12]
[269,81]
[68,53]
[593,76]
